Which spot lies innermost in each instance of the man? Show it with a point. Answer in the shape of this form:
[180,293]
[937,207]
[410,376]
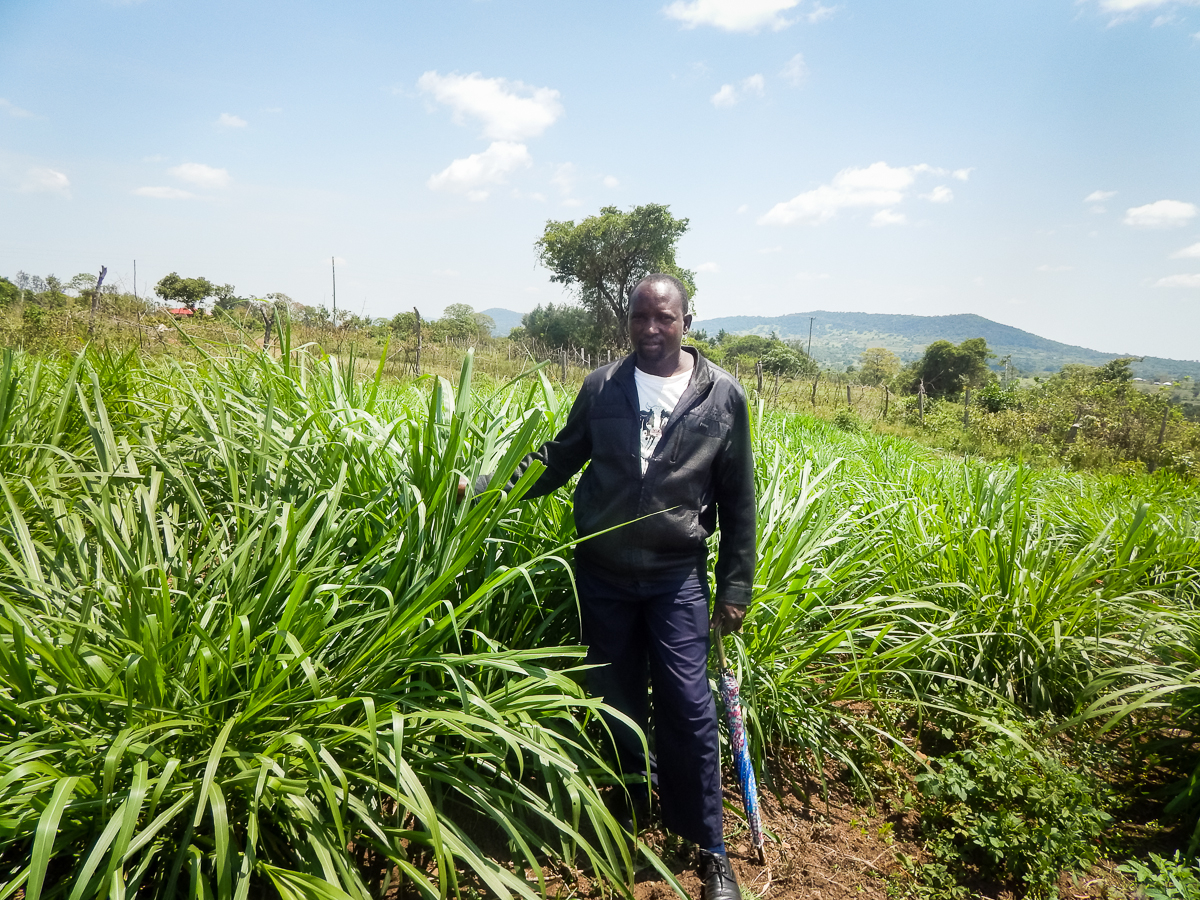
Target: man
[667,435]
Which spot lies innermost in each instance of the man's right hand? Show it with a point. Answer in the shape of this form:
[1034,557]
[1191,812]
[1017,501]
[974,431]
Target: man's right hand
[727,618]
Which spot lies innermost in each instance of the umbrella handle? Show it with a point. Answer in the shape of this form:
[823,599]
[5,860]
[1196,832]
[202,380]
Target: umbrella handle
[721,648]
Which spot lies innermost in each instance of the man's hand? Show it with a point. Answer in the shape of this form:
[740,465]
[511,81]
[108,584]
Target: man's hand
[462,487]
[727,618]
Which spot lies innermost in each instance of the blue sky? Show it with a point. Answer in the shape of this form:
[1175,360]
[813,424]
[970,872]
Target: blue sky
[1035,161]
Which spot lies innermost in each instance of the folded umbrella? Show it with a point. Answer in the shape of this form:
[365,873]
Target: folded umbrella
[731,697]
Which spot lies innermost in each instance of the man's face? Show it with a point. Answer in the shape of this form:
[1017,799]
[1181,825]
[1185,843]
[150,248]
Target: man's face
[656,321]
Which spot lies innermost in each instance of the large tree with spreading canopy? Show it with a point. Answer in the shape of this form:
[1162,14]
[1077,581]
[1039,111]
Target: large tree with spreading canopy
[605,256]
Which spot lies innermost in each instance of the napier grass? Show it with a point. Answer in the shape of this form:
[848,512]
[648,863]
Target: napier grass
[250,641]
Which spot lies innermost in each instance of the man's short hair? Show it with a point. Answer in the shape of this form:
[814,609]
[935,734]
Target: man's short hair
[660,278]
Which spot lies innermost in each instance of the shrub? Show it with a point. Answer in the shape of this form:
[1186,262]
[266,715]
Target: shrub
[848,421]
[1002,811]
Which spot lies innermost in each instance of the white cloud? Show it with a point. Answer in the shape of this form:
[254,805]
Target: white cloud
[201,175]
[708,267]
[13,110]
[728,95]
[1050,268]
[508,110]
[888,217]
[564,178]
[473,175]
[1183,281]
[1161,214]
[744,208]
[820,13]
[48,181]
[1192,252]
[164,193]
[940,194]
[877,185]
[1134,6]
[227,120]
[1099,196]
[610,181]
[732,15]
[962,174]
[765,250]
[795,71]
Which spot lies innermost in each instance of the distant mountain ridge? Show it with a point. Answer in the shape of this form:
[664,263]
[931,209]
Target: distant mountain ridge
[839,338]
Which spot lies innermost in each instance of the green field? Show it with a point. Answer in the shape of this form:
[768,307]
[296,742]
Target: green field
[251,643]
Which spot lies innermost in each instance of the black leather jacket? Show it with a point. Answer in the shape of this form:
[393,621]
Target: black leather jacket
[702,470]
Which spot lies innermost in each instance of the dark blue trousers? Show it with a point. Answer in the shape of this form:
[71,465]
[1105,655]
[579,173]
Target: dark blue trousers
[657,631]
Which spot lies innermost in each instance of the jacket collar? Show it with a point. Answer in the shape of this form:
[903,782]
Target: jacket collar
[702,377]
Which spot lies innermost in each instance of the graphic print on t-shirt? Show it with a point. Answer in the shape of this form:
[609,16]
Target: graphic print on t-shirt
[652,422]
[657,396]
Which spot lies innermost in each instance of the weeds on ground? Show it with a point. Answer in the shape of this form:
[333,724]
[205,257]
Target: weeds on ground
[1164,879]
[1008,810]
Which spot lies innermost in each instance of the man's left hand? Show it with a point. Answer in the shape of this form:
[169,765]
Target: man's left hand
[727,618]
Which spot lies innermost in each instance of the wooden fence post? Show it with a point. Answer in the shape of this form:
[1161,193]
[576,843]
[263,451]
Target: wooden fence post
[814,393]
[758,374]
[849,402]
[886,396]
[564,365]
[921,401]
[96,300]
[1162,433]
[967,408]
[417,361]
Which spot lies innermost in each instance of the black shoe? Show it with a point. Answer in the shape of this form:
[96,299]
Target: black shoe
[717,875]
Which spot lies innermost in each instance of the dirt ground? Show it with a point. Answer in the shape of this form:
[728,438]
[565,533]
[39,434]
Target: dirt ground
[818,850]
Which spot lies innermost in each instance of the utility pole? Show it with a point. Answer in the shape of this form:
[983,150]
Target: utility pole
[135,296]
[333,268]
[810,321]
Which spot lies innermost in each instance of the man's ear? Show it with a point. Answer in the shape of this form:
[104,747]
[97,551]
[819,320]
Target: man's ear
[687,323]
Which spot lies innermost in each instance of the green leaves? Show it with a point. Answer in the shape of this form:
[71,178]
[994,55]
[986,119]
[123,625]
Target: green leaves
[242,636]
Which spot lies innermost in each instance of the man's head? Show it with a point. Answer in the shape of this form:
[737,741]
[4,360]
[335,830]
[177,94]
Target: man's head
[658,320]
[661,278]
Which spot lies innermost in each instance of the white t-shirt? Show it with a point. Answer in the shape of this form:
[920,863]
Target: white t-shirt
[657,396]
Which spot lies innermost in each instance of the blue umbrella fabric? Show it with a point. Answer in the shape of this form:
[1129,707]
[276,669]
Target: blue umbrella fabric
[731,697]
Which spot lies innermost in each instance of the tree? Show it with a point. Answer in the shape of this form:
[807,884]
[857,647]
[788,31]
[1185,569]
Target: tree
[605,256]
[190,292]
[878,365]
[9,292]
[946,369]
[566,325]
[785,361]
[460,322]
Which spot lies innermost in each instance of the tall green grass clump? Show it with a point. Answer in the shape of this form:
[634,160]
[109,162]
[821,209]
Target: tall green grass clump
[248,639]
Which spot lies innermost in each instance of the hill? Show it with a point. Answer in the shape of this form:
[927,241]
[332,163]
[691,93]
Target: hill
[839,338]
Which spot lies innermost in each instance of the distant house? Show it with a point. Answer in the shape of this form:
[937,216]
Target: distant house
[181,312]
